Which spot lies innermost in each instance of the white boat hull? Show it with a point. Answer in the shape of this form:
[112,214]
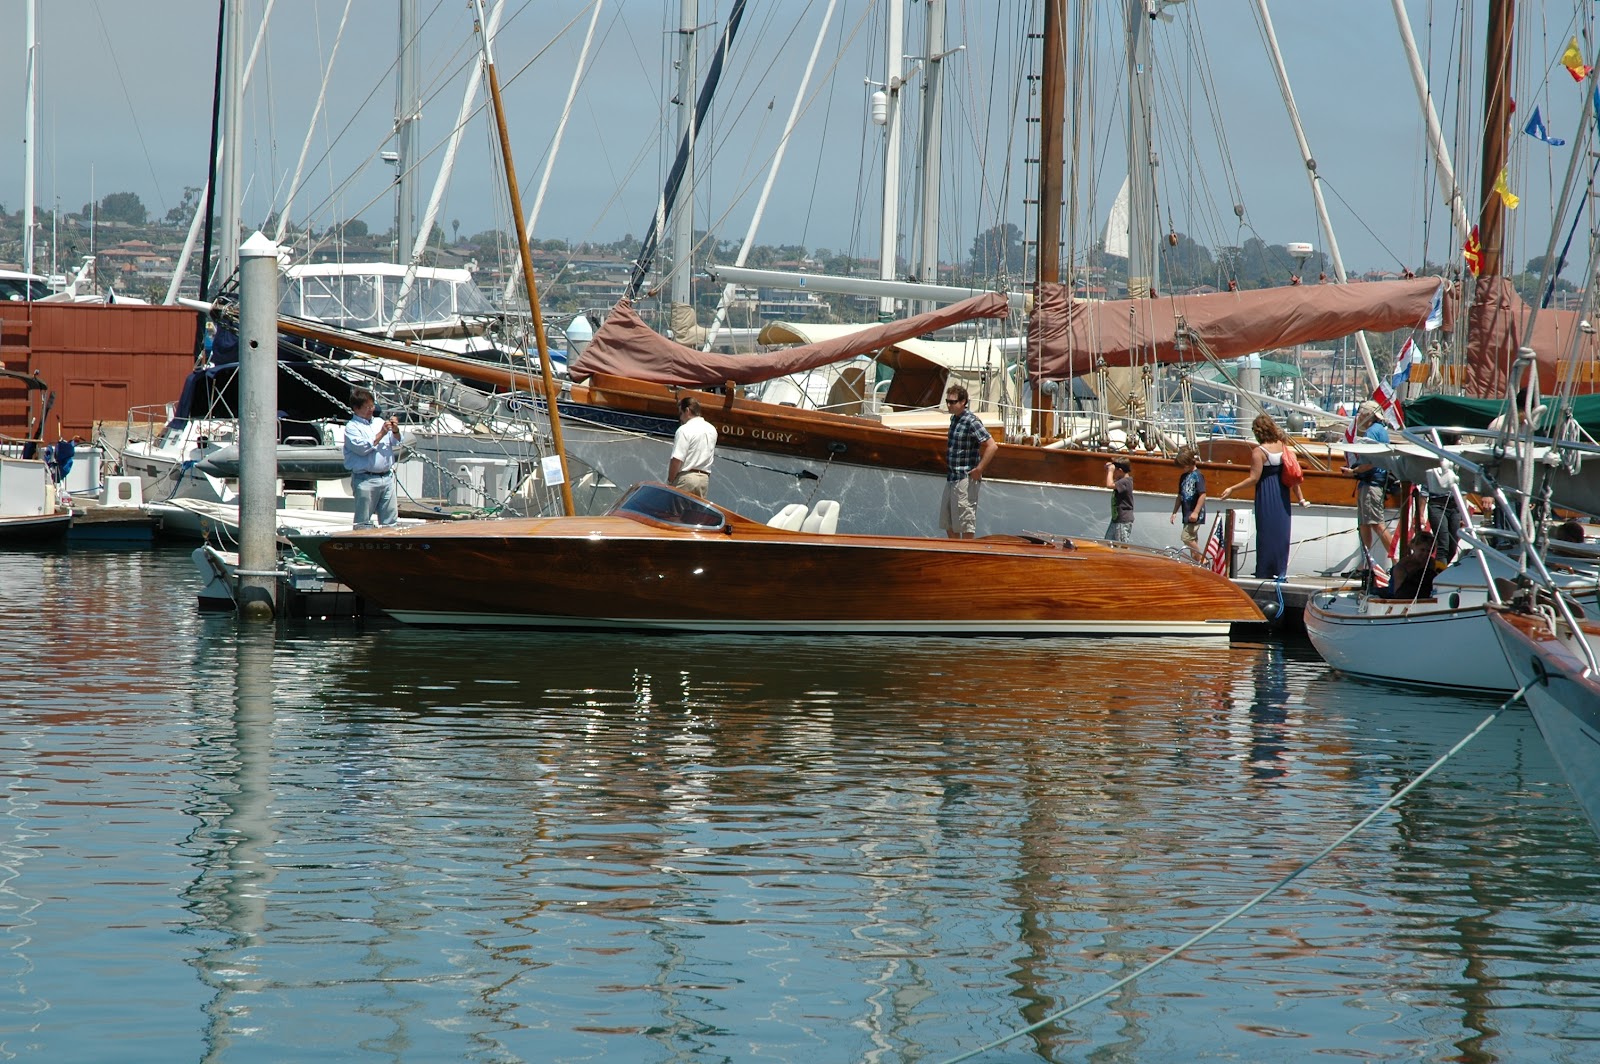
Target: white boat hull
[1565,702]
[1404,642]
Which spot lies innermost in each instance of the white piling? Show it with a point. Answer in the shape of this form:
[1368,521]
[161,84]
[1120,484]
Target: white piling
[258,427]
[1249,382]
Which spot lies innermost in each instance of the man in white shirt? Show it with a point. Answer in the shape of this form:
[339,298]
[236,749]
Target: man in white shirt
[694,448]
[369,454]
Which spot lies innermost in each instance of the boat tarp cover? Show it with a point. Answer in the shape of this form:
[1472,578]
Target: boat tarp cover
[1461,411]
[626,347]
[1229,371]
[1072,336]
[1496,322]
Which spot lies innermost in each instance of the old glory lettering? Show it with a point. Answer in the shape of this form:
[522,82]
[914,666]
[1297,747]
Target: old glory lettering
[758,433]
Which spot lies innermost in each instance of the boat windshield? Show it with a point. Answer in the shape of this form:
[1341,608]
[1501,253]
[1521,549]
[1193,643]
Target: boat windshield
[656,503]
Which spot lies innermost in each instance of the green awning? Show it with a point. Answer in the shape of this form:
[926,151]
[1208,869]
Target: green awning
[1457,410]
[1229,371]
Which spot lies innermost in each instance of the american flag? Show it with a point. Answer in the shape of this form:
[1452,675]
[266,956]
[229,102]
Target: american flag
[1216,555]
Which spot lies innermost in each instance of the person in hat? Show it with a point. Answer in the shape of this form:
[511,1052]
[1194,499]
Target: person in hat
[1119,478]
[1372,481]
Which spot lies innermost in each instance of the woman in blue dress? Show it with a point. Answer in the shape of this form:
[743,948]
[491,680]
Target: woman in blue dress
[1272,498]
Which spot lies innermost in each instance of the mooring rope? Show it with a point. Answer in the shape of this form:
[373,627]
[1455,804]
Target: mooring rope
[1253,902]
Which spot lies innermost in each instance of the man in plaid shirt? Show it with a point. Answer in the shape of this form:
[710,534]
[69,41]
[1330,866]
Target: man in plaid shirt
[968,452]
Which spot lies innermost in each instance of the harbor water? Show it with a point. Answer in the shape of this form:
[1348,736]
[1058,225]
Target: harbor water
[346,841]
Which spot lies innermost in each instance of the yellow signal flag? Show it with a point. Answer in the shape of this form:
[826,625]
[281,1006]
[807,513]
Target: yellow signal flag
[1509,198]
[1572,59]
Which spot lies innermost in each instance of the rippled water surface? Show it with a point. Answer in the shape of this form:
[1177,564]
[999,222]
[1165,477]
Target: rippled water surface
[340,842]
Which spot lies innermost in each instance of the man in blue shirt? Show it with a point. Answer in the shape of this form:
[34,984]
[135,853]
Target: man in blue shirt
[369,454]
[1371,484]
[968,452]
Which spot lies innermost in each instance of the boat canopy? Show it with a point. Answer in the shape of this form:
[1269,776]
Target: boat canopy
[626,347]
[1070,336]
[366,295]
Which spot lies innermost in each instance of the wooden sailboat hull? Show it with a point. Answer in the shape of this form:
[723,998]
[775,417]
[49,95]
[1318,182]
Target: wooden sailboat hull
[1562,693]
[612,571]
[889,480]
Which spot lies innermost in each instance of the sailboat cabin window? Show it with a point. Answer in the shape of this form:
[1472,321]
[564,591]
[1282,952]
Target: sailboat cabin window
[656,503]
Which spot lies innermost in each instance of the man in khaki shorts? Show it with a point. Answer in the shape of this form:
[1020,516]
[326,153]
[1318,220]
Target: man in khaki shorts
[968,451]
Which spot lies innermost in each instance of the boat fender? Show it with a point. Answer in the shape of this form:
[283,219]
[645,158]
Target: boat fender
[1271,610]
[835,447]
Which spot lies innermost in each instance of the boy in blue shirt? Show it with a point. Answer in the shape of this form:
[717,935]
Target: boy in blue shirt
[1191,501]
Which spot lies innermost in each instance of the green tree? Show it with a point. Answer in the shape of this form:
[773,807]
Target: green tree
[355,229]
[122,207]
[185,209]
[996,249]
[1186,262]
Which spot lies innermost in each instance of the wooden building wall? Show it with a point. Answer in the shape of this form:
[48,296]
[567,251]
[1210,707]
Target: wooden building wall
[100,361]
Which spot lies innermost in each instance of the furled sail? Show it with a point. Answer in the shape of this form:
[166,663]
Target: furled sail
[1068,337]
[626,347]
[1495,326]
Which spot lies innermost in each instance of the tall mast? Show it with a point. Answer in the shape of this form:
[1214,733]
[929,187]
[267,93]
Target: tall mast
[1143,268]
[927,265]
[1311,174]
[28,107]
[1496,115]
[406,115]
[683,209]
[1052,164]
[1052,156]
[230,181]
[551,394]
[893,80]
[1430,114]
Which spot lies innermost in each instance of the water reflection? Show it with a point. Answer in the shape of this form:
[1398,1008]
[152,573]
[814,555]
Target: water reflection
[235,879]
[440,846]
[1269,714]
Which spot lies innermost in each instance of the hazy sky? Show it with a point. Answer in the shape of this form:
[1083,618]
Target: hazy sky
[125,96]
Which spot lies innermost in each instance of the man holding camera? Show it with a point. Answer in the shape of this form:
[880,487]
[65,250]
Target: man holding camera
[369,454]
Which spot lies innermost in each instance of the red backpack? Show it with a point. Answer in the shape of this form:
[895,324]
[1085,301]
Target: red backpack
[1292,473]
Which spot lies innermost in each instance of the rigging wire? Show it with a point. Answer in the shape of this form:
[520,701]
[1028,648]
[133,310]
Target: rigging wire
[133,115]
[1241,910]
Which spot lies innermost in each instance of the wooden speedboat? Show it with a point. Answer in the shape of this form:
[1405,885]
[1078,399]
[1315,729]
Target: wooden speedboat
[1555,662]
[665,560]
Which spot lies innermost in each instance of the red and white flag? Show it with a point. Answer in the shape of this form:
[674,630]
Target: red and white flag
[1216,555]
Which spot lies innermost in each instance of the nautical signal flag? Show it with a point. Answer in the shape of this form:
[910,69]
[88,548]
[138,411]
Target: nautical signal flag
[1572,59]
[1536,129]
[1509,198]
[1436,312]
[1216,555]
[1473,252]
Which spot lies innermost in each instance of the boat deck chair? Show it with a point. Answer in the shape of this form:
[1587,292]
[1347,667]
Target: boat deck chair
[791,517]
[824,518]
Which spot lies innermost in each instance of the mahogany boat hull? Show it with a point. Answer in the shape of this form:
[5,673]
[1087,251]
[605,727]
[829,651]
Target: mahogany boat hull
[888,480]
[615,572]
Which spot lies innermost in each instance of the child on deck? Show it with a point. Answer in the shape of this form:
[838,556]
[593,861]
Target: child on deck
[1119,478]
[1191,500]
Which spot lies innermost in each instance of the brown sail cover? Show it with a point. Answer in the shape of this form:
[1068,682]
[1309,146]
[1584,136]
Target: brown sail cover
[1068,337]
[1495,326]
[626,347]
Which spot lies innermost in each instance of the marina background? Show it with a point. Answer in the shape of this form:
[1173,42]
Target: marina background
[241,843]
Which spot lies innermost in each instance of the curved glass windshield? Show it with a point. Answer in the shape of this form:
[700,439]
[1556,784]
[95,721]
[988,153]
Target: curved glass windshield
[670,507]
